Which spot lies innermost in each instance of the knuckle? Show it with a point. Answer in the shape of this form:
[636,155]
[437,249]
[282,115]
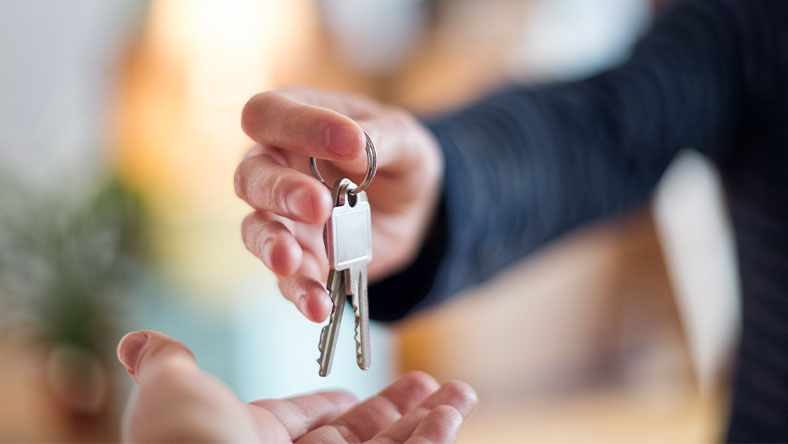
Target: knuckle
[276,196]
[256,183]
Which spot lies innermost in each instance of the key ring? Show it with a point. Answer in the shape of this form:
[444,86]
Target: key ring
[372,167]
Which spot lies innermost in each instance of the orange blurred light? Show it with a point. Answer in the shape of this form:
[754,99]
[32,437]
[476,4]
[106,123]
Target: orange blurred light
[198,63]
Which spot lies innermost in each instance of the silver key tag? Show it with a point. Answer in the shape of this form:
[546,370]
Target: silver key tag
[348,234]
[349,249]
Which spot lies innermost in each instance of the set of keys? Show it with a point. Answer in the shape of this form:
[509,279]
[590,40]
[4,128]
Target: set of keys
[348,241]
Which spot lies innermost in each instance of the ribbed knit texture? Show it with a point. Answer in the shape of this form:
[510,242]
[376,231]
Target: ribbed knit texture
[528,164]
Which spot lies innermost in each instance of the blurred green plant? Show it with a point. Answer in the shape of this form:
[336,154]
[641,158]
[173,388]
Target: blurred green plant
[66,262]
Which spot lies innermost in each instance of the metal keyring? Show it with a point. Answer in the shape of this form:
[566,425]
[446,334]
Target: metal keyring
[371,168]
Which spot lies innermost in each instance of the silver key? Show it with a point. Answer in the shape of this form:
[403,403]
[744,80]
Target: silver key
[348,239]
[329,334]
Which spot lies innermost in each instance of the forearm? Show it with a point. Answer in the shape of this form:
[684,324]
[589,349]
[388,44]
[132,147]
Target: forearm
[526,165]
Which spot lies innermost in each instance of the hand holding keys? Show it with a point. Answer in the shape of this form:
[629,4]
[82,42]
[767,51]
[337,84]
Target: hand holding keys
[348,241]
[290,207]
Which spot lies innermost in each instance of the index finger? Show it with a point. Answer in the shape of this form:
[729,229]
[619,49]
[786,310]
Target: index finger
[272,119]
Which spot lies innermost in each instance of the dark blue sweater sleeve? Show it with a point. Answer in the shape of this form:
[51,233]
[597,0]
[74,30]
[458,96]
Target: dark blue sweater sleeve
[528,164]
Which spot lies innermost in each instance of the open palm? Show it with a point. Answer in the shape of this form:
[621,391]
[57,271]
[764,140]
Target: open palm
[178,402]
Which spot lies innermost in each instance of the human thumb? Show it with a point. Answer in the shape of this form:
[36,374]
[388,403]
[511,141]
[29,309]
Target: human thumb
[140,351]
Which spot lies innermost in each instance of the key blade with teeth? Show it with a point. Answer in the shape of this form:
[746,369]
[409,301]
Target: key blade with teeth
[330,332]
[361,316]
[348,239]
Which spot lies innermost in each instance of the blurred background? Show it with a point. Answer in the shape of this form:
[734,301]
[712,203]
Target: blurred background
[119,137]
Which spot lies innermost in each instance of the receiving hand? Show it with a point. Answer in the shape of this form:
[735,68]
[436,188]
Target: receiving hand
[286,228]
[177,402]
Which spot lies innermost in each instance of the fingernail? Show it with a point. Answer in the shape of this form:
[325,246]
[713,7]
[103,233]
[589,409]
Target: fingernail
[344,140]
[299,204]
[130,348]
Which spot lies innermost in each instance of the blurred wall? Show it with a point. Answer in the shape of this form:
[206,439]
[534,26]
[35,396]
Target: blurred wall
[57,80]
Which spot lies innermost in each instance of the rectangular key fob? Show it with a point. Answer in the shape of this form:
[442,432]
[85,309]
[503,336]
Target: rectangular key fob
[350,241]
